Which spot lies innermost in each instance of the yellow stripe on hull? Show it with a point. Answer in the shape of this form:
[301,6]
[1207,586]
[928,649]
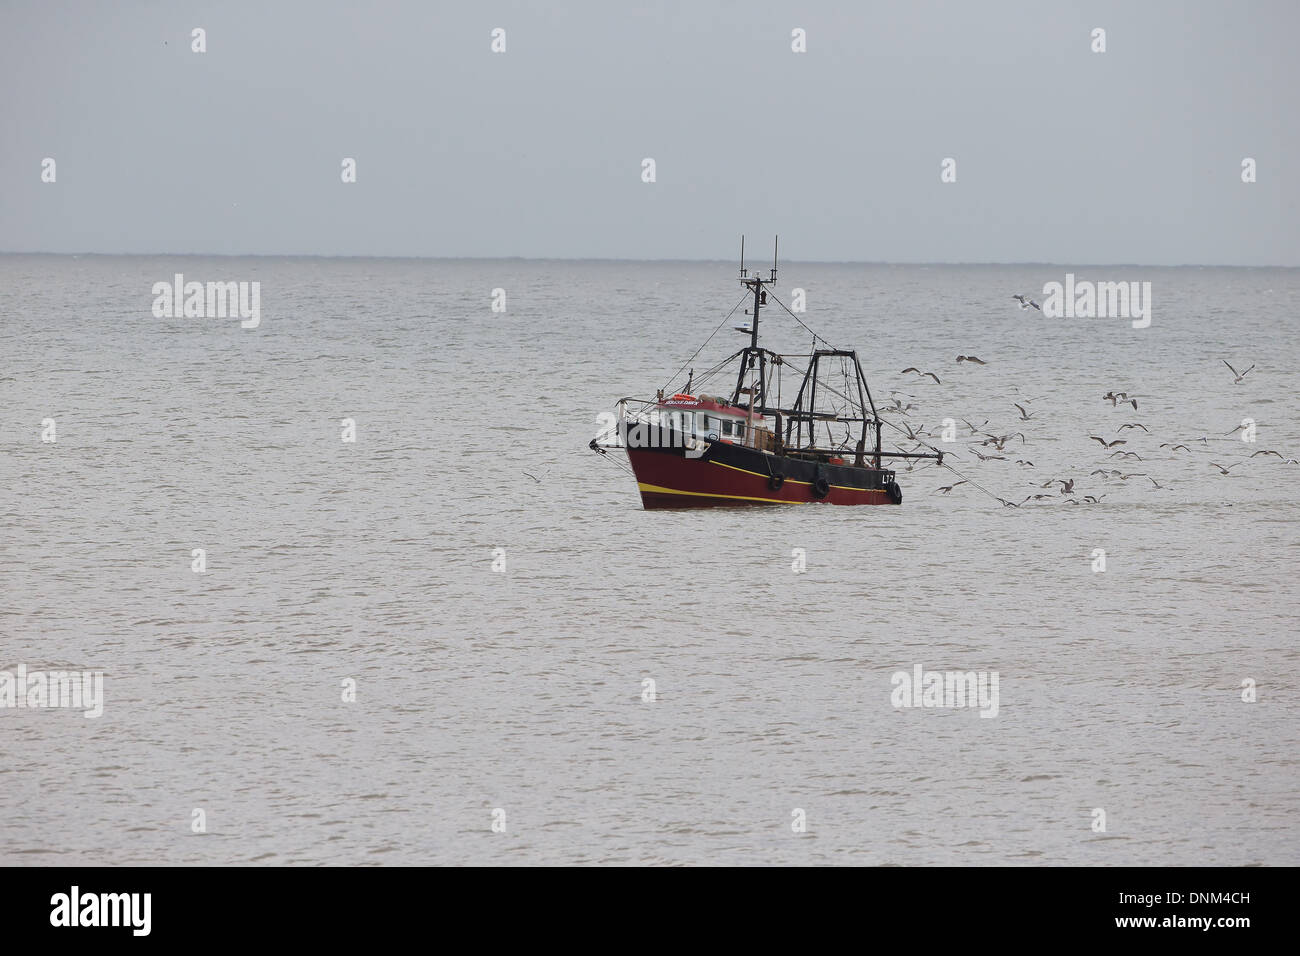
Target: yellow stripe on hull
[656,489]
[759,474]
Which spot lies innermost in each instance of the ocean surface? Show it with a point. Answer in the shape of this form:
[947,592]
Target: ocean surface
[516,697]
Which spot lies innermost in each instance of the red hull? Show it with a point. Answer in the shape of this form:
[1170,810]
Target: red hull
[674,481]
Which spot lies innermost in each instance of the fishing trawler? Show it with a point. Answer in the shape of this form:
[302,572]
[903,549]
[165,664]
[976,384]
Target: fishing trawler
[693,449]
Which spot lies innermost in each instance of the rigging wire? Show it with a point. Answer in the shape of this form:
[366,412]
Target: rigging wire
[816,338]
[724,321]
[941,464]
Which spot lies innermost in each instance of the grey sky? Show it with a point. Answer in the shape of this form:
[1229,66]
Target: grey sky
[1063,155]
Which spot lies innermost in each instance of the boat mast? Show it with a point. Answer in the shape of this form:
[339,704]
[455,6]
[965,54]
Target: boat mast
[758,393]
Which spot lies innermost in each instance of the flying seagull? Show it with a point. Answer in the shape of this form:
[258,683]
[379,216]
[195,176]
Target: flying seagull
[1222,470]
[912,433]
[947,488]
[1026,302]
[970,358]
[922,374]
[1108,444]
[1174,447]
[1133,425]
[1240,375]
[1024,415]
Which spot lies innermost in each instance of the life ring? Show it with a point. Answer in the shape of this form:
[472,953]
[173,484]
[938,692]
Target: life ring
[712,436]
[821,485]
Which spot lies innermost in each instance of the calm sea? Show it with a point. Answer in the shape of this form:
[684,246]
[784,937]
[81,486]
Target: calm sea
[518,696]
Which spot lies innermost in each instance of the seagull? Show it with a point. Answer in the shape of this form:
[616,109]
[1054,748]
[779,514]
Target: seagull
[1116,397]
[1001,440]
[972,428]
[1268,452]
[1091,500]
[1026,302]
[535,478]
[1237,429]
[1240,375]
[970,358]
[947,488]
[1024,415]
[922,374]
[1222,470]
[1128,454]
[1022,461]
[1067,487]
[989,457]
[1108,444]
[1174,447]
[1133,425]
[1011,504]
[1154,482]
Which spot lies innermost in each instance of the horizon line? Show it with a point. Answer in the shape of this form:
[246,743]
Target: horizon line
[618,259]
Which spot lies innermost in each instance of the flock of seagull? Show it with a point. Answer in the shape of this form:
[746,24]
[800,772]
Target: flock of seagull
[988,446]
